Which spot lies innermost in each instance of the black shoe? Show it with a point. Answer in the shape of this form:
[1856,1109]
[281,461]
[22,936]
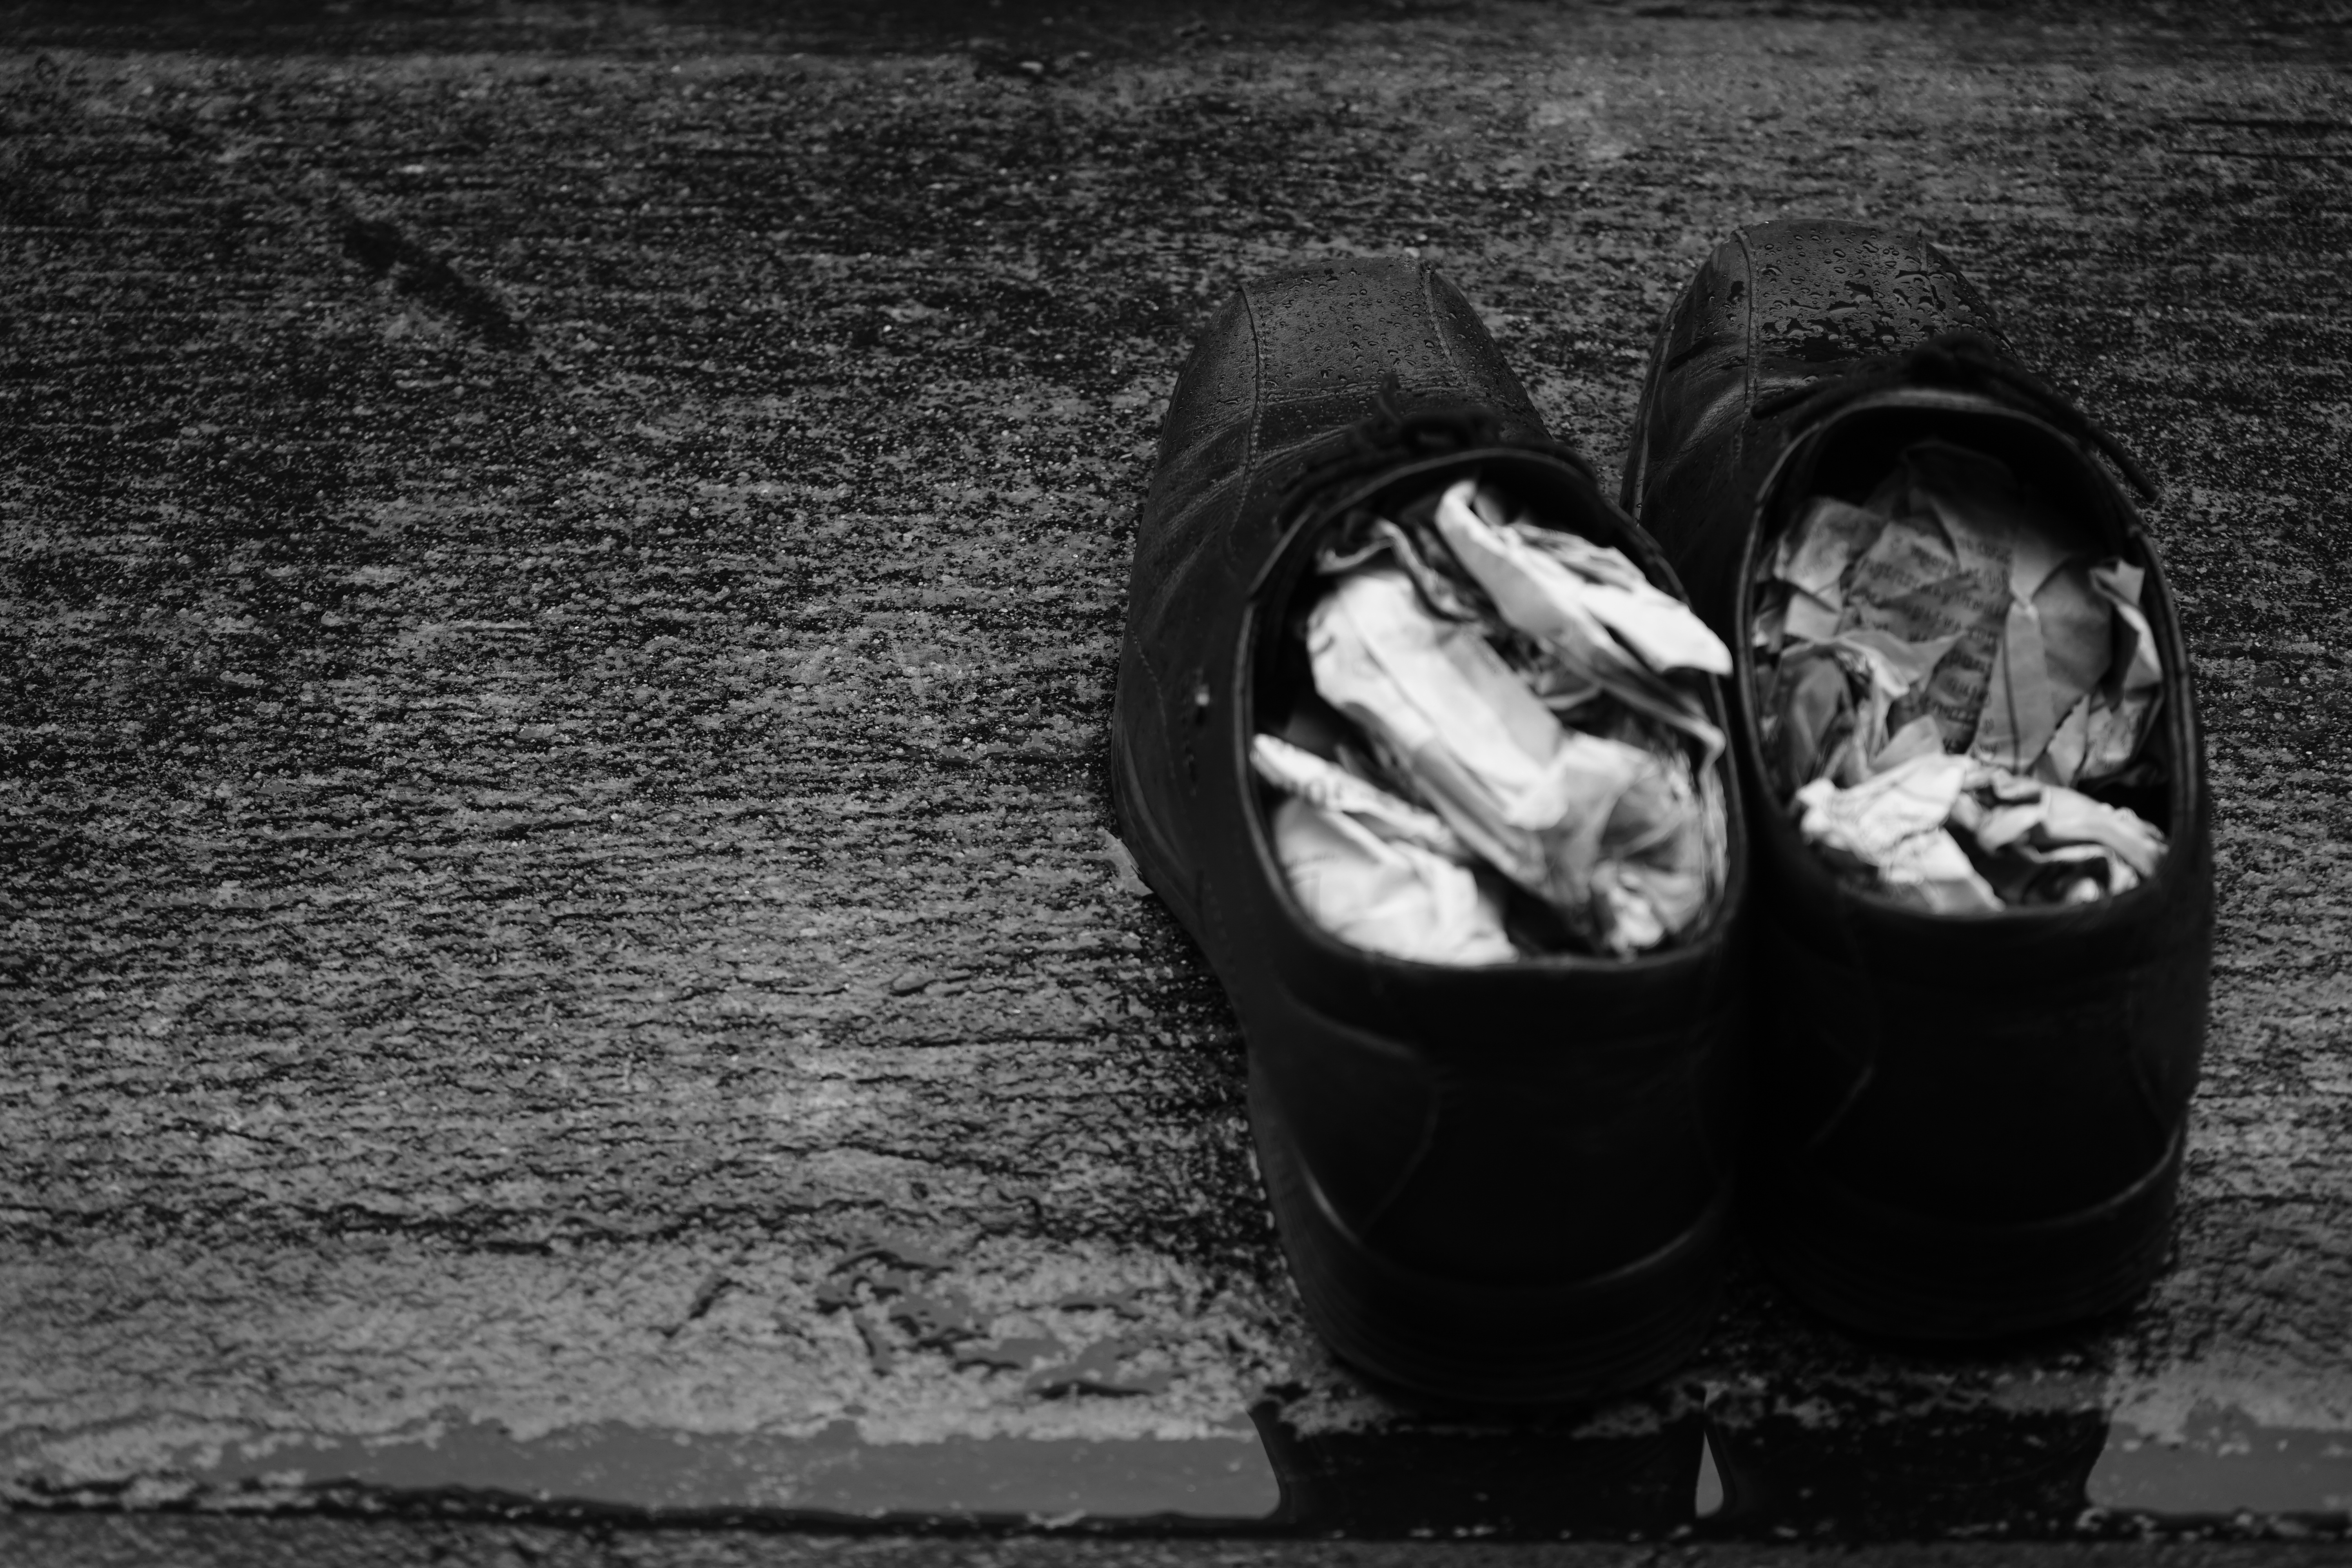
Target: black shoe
[1966,1125]
[1503,1183]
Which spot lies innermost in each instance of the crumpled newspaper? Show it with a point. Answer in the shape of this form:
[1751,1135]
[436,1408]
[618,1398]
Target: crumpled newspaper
[1608,624]
[1606,819]
[1956,598]
[1954,629]
[1957,836]
[1375,870]
[1894,826]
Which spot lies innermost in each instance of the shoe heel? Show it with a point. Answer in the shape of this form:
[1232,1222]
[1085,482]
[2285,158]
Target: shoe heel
[1489,1345]
[1909,1276]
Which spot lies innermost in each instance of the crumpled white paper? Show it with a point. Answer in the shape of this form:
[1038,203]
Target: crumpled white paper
[1956,613]
[1811,557]
[1907,825]
[1385,895]
[1375,870]
[2101,730]
[2046,824]
[1296,771]
[1893,824]
[1591,607]
[1548,807]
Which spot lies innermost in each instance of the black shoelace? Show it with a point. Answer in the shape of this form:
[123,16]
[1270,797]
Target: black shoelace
[1968,361]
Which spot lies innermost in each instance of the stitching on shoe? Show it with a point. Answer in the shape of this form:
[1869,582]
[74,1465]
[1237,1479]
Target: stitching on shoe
[1431,323]
[1256,414]
[1748,327]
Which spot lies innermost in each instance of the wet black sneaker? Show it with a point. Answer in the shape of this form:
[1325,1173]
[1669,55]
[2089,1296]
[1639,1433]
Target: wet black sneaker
[1965,1124]
[1500,1184]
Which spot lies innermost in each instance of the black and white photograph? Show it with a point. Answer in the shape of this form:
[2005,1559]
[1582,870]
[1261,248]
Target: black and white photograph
[1175,784]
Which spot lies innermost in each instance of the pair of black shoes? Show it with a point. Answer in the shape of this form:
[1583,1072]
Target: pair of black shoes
[1514,1183]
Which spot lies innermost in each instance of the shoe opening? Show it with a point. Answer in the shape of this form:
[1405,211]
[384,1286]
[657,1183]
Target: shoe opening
[1954,671]
[1483,734]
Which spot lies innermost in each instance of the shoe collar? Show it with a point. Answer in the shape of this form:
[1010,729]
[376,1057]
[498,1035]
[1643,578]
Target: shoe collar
[1958,362]
[1311,504]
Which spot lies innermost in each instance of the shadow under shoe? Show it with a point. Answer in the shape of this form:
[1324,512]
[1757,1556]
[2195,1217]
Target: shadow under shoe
[1502,1184]
[1964,1125]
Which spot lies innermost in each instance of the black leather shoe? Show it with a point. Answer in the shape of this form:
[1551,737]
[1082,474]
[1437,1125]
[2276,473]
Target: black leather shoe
[1966,1125]
[1495,1184]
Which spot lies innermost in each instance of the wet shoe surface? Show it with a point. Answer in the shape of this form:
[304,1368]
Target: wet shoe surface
[1970,1115]
[1436,1138]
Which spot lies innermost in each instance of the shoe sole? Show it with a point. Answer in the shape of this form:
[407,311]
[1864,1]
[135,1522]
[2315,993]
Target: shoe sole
[1907,1276]
[1487,1344]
